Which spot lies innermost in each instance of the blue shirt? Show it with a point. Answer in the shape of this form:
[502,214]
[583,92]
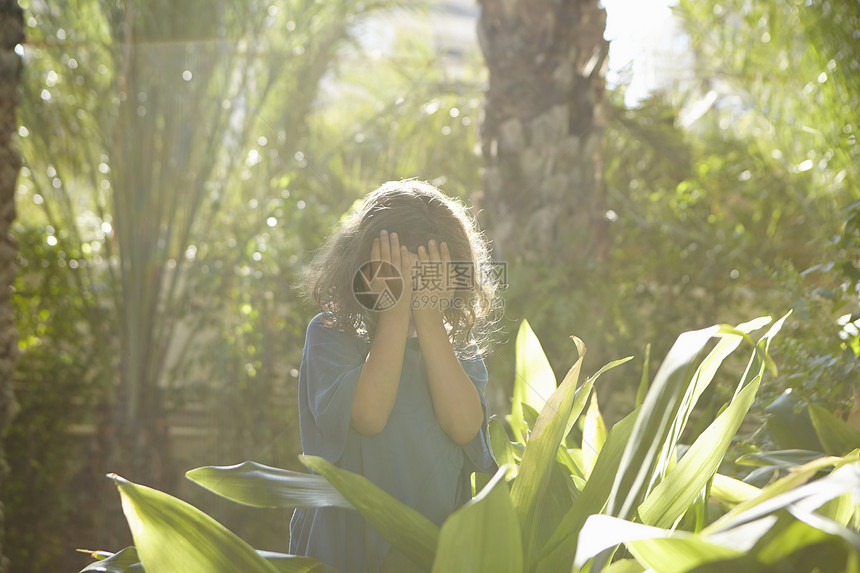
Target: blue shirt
[412,458]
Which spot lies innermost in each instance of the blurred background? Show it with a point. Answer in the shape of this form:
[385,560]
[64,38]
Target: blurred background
[641,169]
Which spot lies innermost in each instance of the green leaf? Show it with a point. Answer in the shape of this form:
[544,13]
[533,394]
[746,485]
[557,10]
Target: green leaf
[791,429]
[644,382]
[793,489]
[257,485]
[119,562]
[789,543]
[840,509]
[653,547]
[171,535]
[625,566]
[679,489]
[732,491]
[679,554]
[647,441]
[285,563]
[837,437]
[539,456]
[483,535]
[593,436]
[404,528]
[530,416]
[534,382]
[730,339]
[558,553]
[779,458]
[502,448]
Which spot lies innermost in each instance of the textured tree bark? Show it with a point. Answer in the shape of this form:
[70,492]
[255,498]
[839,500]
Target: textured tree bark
[11,34]
[545,115]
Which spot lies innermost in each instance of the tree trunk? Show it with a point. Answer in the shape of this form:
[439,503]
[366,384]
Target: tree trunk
[543,203]
[11,34]
[545,115]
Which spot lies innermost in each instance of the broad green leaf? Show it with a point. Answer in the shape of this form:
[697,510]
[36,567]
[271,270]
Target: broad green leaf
[780,458]
[539,456]
[837,437]
[840,509]
[530,416]
[572,460]
[679,554]
[625,566]
[534,380]
[502,448]
[602,532]
[732,491]
[653,547]
[483,535]
[645,380]
[127,561]
[285,563]
[593,435]
[257,485]
[171,535]
[730,339]
[119,562]
[557,554]
[784,545]
[679,489]
[648,440]
[404,528]
[789,424]
[593,379]
[794,489]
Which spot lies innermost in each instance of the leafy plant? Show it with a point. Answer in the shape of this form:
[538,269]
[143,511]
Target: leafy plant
[552,506]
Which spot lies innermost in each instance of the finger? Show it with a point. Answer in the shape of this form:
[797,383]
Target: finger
[395,252]
[374,256]
[446,253]
[411,262]
[433,251]
[385,251]
[406,268]
[447,267]
[422,254]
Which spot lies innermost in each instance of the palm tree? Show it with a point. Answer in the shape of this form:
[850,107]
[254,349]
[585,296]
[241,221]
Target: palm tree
[543,200]
[11,34]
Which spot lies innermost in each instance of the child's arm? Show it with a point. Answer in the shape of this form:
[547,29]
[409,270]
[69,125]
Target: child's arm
[376,388]
[455,399]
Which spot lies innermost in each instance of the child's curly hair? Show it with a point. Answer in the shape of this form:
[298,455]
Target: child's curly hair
[417,211]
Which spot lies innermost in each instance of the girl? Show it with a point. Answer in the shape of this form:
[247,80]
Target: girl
[392,379]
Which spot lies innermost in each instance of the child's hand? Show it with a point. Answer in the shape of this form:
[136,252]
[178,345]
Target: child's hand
[387,249]
[432,294]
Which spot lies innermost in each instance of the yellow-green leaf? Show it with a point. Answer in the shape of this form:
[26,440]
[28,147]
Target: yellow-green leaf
[593,435]
[171,535]
[483,536]
[404,528]
[837,437]
[257,485]
[535,381]
[679,489]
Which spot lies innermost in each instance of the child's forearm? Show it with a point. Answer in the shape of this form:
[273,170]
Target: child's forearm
[455,399]
[376,389]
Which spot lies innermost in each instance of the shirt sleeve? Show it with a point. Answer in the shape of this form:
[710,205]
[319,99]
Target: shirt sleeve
[479,455]
[331,363]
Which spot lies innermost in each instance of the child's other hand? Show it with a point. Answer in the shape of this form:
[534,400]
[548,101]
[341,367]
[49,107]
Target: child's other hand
[432,294]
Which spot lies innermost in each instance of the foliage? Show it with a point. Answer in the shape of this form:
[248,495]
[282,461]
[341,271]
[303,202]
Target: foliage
[142,230]
[546,510]
[735,191]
